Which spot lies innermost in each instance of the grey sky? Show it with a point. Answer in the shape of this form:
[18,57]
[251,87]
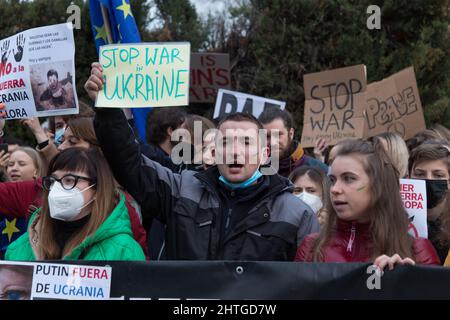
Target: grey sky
[205,6]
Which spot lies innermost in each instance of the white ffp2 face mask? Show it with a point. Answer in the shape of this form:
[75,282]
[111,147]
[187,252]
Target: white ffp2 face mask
[65,204]
[313,201]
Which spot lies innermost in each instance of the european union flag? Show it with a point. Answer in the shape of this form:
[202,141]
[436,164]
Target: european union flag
[11,229]
[123,30]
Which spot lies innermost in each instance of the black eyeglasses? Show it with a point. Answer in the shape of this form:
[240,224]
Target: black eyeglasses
[68,182]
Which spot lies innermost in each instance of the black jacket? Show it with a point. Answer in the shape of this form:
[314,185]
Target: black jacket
[191,206]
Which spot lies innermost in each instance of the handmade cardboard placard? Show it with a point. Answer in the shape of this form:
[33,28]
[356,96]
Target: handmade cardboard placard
[393,105]
[334,105]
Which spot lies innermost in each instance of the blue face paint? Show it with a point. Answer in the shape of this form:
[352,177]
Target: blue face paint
[244,184]
[58,136]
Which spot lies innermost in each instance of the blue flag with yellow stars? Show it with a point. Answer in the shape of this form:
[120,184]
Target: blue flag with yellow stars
[123,30]
[11,229]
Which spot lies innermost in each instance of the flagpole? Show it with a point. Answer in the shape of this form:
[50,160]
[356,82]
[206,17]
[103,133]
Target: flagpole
[105,15]
[107,24]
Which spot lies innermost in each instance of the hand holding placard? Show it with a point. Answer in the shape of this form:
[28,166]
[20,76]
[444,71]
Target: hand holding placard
[95,82]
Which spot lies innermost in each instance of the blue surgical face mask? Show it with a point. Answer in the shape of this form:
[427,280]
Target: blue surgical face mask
[244,184]
[58,136]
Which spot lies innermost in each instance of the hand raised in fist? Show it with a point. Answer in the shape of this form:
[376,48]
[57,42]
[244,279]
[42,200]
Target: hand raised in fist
[95,82]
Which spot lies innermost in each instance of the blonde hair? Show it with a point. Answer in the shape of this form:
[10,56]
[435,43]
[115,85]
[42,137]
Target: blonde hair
[441,131]
[397,151]
[35,157]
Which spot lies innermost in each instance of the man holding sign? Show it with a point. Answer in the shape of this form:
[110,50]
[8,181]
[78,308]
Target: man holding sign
[228,212]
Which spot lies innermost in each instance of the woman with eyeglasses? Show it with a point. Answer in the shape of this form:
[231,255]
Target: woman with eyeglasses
[19,200]
[83,215]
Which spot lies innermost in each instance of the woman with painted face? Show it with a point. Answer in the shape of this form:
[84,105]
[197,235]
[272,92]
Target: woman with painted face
[83,215]
[430,162]
[367,220]
[311,186]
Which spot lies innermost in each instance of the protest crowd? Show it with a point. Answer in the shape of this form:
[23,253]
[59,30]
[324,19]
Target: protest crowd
[92,190]
[237,186]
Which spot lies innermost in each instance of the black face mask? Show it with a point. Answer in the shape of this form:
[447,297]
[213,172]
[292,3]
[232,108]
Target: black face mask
[435,192]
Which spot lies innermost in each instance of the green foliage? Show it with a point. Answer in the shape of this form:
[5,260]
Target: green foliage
[285,39]
[273,43]
[17,16]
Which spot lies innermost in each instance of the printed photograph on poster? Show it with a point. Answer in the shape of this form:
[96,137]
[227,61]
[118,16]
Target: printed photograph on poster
[52,86]
[16,280]
[37,72]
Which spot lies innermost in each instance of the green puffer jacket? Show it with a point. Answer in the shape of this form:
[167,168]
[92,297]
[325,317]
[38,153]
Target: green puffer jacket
[112,241]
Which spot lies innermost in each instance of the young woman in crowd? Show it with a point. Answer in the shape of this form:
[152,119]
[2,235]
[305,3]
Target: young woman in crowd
[203,156]
[396,149]
[421,137]
[79,133]
[20,199]
[430,162]
[48,141]
[367,221]
[311,186]
[83,215]
[441,131]
[24,164]
[202,124]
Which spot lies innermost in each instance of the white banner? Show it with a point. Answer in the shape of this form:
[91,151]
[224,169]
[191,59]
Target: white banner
[414,197]
[37,72]
[72,282]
